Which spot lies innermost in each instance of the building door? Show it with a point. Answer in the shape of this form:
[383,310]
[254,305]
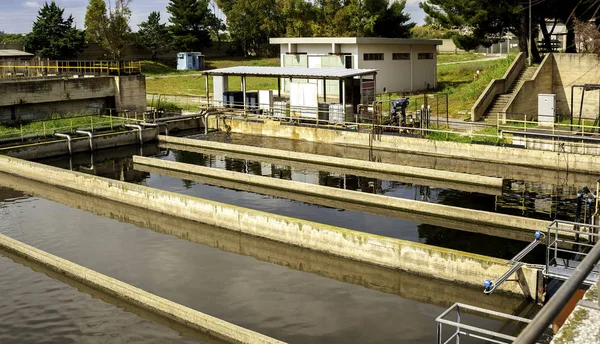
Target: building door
[348,61]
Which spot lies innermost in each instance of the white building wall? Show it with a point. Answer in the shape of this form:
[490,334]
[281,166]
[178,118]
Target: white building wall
[395,75]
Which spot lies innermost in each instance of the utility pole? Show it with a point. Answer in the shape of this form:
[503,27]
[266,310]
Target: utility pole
[529,41]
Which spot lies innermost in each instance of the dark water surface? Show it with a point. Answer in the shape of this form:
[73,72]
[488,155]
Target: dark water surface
[288,304]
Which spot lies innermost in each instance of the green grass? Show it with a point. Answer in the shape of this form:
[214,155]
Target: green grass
[196,83]
[56,123]
[491,138]
[448,58]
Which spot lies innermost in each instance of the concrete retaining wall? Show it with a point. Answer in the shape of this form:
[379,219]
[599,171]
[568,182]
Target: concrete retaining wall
[496,87]
[37,99]
[183,315]
[474,152]
[361,198]
[576,69]
[79,144]
[341,162]
[525,100]
[450,265]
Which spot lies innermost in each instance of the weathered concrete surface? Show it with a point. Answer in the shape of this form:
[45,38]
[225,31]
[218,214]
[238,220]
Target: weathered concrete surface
[450,265]
[389,281]
[356,197]
[37,99]
[80,144]
[199,321]
[583,325]
[340,162]
[576,69]
[349,170]
[557,176]
[474,152]
[525,100]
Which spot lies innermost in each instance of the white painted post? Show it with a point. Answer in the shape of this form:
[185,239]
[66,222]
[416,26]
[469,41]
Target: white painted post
[244,92]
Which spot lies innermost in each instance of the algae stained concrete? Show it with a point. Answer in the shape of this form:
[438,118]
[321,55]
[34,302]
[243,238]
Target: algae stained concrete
[583,325]
[429,261]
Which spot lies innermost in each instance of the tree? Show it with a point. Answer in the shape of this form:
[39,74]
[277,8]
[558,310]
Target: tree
[300,18]
[95,21]
[252,22]
[587,37]
[53,36]
[393,22]
[191,21]
[109,27]
[154,36]
[363,18]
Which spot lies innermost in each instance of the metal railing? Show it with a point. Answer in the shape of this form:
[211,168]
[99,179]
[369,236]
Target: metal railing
[465,330]
[564,294]
[47,68]
[568,244]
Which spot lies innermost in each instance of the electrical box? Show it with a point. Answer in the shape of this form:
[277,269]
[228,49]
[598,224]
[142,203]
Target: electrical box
[546,109]
[190,61]
[265,100]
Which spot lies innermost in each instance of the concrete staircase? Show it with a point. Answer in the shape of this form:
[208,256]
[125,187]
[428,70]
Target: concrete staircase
[501,101]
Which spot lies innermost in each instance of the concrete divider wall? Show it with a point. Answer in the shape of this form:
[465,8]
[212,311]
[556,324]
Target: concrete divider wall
[204,323]
[386,202]
[341,162]
[474,152]
[79,144]
[408,286]
[450,265]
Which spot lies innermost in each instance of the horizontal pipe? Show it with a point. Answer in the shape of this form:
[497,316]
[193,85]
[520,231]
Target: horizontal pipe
[341,162]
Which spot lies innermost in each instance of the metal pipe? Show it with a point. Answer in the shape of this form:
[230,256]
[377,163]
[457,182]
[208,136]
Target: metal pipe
[551,310]
[139,128]
[216,114]
[157,125]
[68,137]
[91,136]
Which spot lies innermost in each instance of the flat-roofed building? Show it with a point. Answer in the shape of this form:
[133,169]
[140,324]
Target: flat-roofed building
[405,65]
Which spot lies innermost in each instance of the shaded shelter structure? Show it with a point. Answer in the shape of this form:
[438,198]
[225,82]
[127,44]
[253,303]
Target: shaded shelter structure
[356,86]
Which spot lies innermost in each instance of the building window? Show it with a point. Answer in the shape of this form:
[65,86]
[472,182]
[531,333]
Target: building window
[401,56]
[425,56]
[373,57]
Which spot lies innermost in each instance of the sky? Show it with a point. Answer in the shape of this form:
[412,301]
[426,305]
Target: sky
[17,16]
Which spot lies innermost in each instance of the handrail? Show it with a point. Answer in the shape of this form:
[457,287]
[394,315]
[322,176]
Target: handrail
[68,137]
[90,135]
[556,304]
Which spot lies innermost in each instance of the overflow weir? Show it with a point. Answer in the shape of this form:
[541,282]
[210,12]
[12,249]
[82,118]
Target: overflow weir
[417,175]
[377,204]
[449,265]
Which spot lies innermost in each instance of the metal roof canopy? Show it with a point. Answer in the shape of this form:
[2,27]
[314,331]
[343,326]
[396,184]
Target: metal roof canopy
[293,72]
[14,53]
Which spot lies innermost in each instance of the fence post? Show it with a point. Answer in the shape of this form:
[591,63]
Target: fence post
[44,123]
[21,126]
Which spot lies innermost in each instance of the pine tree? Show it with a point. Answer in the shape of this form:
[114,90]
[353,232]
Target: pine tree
[154,36]
[190,24]
[53,36]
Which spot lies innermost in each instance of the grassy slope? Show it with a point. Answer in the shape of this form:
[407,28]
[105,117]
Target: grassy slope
[458,82]
[447,58]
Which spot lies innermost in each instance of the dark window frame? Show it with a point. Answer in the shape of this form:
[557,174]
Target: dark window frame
[425,56]
[401,56]
[373,57]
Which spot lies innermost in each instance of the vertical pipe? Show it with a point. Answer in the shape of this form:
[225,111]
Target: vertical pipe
[572,105]
[244,93]
[581,105]
[344,94]
[279,87]
[207,92]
